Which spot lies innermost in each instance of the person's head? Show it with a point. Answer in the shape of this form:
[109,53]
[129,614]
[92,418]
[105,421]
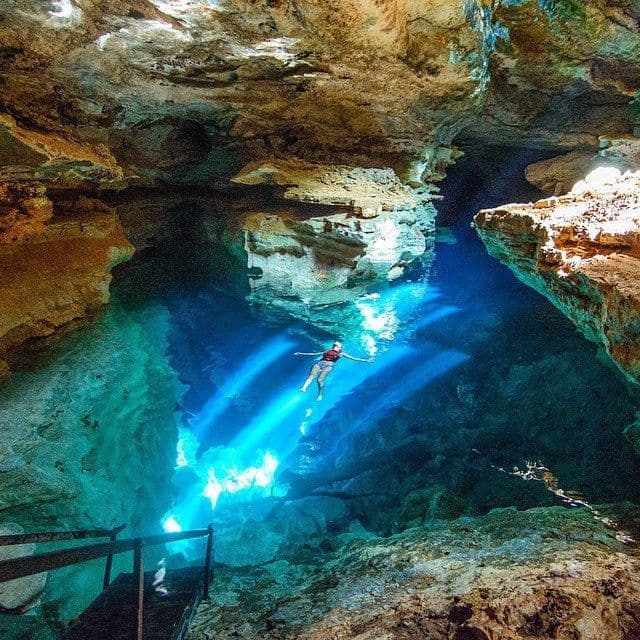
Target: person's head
[337,345]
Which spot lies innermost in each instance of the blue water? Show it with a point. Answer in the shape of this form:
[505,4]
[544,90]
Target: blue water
[473,370]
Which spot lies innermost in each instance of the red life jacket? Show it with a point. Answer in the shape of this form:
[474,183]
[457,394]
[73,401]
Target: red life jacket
[331,356]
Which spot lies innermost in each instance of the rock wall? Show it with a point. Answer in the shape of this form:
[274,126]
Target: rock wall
[338,231]
[89,434]
[55,271]
[154,92]
[581,252]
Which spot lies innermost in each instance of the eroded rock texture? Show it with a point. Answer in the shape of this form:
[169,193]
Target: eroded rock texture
[544,573]
[336,231]
[54,271]
[183,91]
[581,251]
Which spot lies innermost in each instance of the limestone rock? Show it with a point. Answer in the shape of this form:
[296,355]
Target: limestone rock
[78,429]
[366,192]
[19,595]
[559,174]
[581,252]
[510,575]
[47,157]
[59,273]
[346,229]
[188,92]
[88,437]
[24,211]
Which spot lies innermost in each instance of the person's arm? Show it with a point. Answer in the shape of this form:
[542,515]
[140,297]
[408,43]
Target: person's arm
[303,353]
[346,355]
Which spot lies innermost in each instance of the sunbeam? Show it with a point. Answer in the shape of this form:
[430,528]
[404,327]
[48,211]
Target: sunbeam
[238,381]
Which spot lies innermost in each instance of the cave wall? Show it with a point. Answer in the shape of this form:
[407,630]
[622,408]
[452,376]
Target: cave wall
[89,432]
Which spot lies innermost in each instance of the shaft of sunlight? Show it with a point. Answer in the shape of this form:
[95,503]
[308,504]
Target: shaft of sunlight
[250,370]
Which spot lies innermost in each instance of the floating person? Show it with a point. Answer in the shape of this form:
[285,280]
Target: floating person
[323,367]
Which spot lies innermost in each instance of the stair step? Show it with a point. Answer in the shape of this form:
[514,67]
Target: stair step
[165,617]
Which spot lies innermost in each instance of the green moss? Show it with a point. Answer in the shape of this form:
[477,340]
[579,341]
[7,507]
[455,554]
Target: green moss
[563,10]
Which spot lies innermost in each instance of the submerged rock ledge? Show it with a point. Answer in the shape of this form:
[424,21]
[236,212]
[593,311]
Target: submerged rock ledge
[581,251]
[540,573]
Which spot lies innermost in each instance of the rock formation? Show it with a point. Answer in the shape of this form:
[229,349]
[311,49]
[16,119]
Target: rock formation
[69,439]
[509,575]
[88,437]
[581,251]
[55,271]
[338,231]
[181,91]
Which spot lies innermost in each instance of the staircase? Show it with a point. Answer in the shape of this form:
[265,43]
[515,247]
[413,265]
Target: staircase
[130,607]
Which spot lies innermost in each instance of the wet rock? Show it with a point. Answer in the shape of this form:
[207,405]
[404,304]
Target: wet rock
[252,543]
[69,440]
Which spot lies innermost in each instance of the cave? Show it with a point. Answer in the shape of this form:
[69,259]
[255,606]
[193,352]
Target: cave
[350,290]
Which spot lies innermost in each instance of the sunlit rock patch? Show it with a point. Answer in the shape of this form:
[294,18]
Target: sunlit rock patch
[581,251]
[559,174]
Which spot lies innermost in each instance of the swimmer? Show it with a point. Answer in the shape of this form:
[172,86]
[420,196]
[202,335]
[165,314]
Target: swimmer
[323,367]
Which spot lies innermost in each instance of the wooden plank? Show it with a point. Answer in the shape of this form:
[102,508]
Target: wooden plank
[166,617]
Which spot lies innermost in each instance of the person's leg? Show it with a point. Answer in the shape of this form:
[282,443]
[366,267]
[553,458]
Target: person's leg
[321,378]
[315,370]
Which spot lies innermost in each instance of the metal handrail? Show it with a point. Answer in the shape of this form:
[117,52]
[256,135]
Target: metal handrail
[29,565]
[58,536]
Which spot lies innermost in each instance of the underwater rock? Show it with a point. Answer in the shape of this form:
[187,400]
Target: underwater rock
[17,596]
[75,453]
[581,252]
[246,537]
[89,439]
[541,573]
[58,273]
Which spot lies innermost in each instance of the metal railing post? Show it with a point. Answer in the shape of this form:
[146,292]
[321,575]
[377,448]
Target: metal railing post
[109,564]
[138,577]
[207,561]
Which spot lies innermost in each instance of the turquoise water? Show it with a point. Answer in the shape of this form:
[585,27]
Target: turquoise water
[472,371]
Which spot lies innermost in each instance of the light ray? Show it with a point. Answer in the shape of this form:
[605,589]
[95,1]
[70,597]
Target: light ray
[238,381]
